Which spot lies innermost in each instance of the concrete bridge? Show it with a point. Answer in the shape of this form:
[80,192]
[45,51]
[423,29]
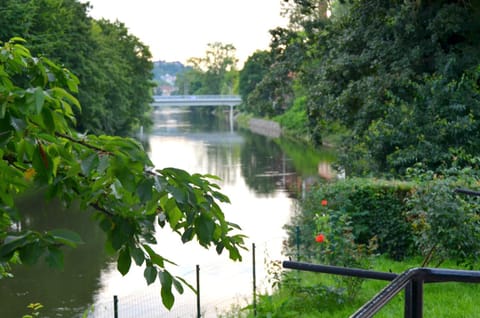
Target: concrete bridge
[198,100]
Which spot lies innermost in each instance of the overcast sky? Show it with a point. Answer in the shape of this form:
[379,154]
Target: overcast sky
[176,30]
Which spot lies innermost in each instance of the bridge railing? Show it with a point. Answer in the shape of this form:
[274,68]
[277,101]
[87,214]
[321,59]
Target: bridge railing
[197,97]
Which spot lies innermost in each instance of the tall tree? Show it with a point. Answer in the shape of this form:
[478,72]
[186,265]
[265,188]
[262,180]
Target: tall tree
[62,30]
[215,73]
[122,81]
[373,54]
[111,175]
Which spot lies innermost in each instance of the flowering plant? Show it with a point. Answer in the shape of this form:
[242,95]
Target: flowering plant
[340,249]
[320,238]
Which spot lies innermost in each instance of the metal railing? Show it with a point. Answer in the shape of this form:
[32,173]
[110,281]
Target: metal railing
[197,100]
[411,281]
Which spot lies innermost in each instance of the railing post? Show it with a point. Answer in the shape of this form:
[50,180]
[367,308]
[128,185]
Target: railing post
[414,299]
[254,282]
[115,306]
[297,242]
[408,301]
[231,118]
[199,314]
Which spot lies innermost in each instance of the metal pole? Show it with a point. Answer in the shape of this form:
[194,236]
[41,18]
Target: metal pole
[115,306]
[254,282]
[199,314]
[417,297]
[408,301]
[231,118]
[297,241]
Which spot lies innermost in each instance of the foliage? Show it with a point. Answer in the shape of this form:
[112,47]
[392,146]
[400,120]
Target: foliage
[215,73]
[122,83]
[337,246]
[438,126]
[294,119]
[400,77]
[373,208]
[446,224]
[113,66]
[114,175]
[254,70]
[440,300]
[162,68]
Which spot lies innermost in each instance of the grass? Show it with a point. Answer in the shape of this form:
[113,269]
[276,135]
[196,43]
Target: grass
[302,295]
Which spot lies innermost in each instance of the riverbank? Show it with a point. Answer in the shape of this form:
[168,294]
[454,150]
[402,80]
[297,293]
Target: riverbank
[273,129]
[264,127]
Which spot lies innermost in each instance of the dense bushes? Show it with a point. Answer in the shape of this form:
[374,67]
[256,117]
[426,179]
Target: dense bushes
[424,217]
[375,209]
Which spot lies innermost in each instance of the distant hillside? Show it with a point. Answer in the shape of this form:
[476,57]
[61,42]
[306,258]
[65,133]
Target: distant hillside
[161,69]
[165,74]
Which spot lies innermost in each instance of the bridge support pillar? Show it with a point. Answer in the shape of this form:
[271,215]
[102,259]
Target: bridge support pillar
[231,118]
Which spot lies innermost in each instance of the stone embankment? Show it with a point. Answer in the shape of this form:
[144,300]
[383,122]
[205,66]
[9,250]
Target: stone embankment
[265,127]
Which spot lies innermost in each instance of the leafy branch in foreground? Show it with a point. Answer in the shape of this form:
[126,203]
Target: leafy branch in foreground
[112,175]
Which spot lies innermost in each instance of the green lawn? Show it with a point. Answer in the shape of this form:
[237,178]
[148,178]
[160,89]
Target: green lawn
[305,298]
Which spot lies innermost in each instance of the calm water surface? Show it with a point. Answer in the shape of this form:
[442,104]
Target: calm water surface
[262,178]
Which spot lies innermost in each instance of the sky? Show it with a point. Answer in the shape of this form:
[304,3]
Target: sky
[176,30]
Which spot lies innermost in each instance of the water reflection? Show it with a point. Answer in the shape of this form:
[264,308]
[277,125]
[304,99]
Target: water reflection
[261,177]
[64,293]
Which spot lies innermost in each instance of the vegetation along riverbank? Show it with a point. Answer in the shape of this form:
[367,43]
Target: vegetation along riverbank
[395,87]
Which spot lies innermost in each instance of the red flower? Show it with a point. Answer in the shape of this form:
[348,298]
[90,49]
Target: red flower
[324,202]
[320,238]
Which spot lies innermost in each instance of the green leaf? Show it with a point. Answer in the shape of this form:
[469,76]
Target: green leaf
[166,291]
[186,283]
[178,286]
[144,190]
[154,257]
[48,120]
[39,98]
[30,253]
[137,255]
[13,243]
[89,163]
[187,236]
[54,257]
[150,274]
[124,261]
[204,228]
[173,212]
[66,237]
[178,194]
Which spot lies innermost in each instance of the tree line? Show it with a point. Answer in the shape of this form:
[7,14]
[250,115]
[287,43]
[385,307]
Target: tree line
[112,65]
[397,80]
[69,86]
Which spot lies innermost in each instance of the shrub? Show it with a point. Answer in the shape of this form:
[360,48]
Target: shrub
[446,223]
[373,208]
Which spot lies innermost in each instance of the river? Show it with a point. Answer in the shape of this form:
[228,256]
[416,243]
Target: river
[261,176]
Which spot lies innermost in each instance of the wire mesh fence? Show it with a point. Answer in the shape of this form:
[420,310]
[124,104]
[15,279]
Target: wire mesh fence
[221,291]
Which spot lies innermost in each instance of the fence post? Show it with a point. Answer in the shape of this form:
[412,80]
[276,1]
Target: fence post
[254,282]
[199,314]
[297,241]
[115,306]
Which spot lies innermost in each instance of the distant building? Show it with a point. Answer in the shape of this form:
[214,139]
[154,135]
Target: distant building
[166,90]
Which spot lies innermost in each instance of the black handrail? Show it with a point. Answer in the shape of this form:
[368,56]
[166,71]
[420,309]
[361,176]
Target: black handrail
[411,281]
[467,191]
[336,270]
